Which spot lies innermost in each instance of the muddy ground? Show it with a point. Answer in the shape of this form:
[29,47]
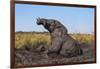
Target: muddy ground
[37,56]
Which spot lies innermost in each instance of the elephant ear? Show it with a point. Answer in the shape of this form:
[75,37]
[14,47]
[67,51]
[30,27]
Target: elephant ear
[52,26]
[44,22]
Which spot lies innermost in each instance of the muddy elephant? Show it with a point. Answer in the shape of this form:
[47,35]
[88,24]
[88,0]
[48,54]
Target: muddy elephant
[61,42]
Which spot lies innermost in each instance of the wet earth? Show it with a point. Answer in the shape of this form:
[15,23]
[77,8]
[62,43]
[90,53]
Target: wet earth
[37,56]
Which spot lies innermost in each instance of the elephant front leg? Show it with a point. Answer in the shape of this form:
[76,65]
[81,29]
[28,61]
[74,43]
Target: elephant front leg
[54,50]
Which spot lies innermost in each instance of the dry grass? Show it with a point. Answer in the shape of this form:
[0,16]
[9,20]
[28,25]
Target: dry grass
[33,39]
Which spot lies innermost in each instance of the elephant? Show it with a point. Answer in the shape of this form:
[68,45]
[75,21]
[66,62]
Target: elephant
[61,42]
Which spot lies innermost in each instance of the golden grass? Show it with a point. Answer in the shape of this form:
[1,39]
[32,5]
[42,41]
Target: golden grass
[34,39]
[85,38]
[31,39]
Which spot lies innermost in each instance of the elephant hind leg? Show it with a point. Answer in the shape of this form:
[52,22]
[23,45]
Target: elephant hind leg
[71,53]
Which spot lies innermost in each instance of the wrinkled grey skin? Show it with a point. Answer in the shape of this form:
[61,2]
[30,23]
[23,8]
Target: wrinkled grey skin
[62,44]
